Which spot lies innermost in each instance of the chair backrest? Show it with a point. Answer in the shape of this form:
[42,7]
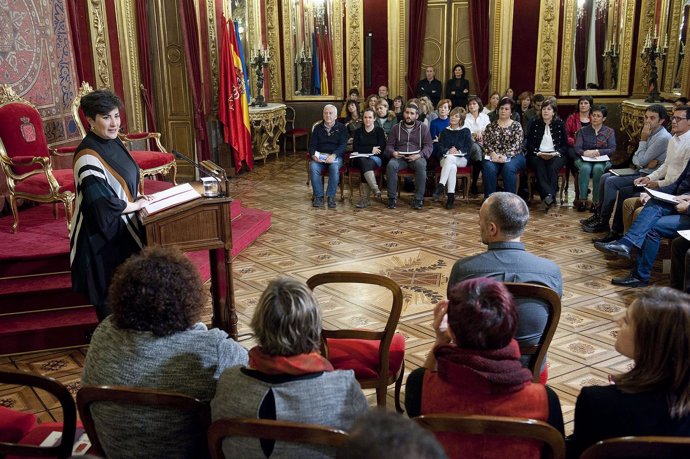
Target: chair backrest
[314,125]
[385,335]
[523,428]
[290,116]
[77,114]
[69,415]
[272,430]
[21,127]
[639,448]
[150,398]
[552,301]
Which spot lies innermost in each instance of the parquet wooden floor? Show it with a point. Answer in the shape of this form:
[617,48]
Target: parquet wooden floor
[417,248]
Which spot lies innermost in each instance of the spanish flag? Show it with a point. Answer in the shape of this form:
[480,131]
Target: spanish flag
[233,111]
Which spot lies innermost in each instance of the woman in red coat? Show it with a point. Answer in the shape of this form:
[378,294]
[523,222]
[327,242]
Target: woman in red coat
[475,368]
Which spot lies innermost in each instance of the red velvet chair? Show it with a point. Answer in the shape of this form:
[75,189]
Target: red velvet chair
[377,357]
[293,133]
[152,161]
[19,433]
[26,158]
[464,176]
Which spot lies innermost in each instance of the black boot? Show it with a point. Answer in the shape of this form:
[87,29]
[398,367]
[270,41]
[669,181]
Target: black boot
[450,201]
[440,188]
[476,170]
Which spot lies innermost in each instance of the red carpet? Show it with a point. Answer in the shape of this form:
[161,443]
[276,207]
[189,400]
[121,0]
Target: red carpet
[38,309]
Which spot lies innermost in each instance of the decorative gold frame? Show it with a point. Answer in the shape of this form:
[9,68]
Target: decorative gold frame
[397,47]
[125,14]
[502,44]
[673,10]
[646,25]
[336,34]
[547,48]
[627,18]
[98,26]
[355,44]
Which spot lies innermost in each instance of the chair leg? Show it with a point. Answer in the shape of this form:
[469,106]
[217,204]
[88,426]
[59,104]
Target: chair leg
[381,394]
[15,213]
[398,382]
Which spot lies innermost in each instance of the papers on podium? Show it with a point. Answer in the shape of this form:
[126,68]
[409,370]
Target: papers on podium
[169,198]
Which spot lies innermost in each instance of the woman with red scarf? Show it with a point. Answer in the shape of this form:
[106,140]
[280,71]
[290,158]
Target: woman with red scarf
[287,378]
[475,368]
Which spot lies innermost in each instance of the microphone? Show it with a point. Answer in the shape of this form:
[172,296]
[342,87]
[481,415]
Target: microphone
[210,173]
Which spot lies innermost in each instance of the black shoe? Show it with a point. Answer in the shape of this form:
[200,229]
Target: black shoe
[581,206]
[318,201]
[392,203]
[610,237]
[589,220]
[418,204]
[451,200]
[439,192]
[331,202]
[614,248]
[473,189]
[629,281]
[548,200]
[597,227]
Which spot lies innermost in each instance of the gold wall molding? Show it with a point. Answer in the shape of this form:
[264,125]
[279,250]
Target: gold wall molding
[213,52]
[674,13]
[547,47]
[460,51]
[354,37]
[685,70]
[626,28]
[274,46]
[101,45]
[125,14]
[436,42]
[646,25]
[502,45]
[397,46]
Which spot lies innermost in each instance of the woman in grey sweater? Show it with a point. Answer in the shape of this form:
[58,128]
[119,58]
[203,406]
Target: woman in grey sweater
[287,378]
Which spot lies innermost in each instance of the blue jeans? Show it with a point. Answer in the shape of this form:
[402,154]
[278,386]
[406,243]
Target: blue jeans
[315,170]
[656,221]
[587,169]
[609,185]
[509,171]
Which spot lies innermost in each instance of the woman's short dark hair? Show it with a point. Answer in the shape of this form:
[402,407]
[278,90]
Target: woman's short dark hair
[354,91]
[352,102]
[603,109]
[476,99]
[588,99]
[481,314]
[99,102]
[462,67]
[287,320]
[158,290]
[549,103]
[506,101]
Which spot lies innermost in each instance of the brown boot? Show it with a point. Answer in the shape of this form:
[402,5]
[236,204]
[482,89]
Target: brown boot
[364,192]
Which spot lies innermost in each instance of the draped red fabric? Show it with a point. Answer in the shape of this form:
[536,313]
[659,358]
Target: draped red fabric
[79,32]
[479,39]
[144,51]
[190,34]
[581,43]
[600,42]
[415,44]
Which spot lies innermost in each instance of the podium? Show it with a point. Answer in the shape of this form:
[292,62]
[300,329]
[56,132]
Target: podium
[202,224]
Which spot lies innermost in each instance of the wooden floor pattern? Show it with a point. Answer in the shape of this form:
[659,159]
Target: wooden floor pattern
[417,249]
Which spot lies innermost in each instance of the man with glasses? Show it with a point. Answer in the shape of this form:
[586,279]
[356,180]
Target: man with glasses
[658,219]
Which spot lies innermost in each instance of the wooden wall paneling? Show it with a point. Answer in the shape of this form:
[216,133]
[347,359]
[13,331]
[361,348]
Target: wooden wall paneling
[354,51]
[171,95]
[460,51]
[397,47]
[547,48]
[501,44]
[435,41]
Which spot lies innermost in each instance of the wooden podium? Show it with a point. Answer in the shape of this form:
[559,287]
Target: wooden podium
[202,224]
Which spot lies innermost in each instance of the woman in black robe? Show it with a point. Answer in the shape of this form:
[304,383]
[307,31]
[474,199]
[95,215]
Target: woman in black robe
[105,227]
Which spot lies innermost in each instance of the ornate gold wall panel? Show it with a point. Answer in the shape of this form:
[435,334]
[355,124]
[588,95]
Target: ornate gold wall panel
[98,26]
[435,41]
[274,46]
[125,12]
[397,46]
[646,25]
[212,52]
[354,37]
[460,44]
[171,94]
[547,47]
[501,44]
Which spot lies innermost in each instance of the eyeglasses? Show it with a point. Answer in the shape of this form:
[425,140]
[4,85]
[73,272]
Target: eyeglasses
[677,119]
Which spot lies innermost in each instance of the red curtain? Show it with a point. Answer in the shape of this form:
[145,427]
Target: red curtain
[600,41]
[79,32]
[479,39]
[190,34]
[581,43]
[415,45]
[144,64]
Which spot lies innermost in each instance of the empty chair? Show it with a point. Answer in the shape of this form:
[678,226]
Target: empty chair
[639,448]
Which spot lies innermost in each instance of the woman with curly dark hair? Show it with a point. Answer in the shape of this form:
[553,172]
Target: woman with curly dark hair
[155,339]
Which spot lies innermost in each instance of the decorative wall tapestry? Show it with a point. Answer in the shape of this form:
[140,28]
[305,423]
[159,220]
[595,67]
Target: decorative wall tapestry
[37,60]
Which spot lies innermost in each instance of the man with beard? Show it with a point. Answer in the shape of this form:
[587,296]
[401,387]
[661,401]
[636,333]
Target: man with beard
[409,146]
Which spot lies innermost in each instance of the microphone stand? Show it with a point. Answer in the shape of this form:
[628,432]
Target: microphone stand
[206,170]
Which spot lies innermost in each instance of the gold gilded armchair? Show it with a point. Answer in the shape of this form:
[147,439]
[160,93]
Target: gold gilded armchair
[26,158]
[151,162]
